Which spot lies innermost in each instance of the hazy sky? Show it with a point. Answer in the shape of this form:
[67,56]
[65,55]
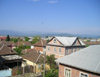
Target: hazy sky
[71,16]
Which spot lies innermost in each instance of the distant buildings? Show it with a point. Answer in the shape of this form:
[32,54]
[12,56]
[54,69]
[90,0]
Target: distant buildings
[61,46]
[84,63]
[92,42]
[2,38]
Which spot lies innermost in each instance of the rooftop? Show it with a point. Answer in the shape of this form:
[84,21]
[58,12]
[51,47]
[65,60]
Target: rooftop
[11,57]
[86,59]
[68,41]
[41,43]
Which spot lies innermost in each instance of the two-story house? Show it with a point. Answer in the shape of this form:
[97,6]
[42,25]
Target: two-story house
[61,46]
[84,63]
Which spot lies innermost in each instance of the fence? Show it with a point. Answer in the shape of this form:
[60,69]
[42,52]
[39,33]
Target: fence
[22,70]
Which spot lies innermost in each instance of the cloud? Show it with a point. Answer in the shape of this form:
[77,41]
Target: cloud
[35,0]
[53,1]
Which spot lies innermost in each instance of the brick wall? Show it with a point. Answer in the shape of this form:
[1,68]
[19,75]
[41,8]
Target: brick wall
[57,53]
[74,72]
[38,48]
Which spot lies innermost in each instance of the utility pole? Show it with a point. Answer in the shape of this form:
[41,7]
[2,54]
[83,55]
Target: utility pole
[44,63]
[44,53]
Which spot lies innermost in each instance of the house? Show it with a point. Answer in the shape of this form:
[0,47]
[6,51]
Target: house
[8,57]
[61,46]
[33,58]
[8,60]
[2,38]
[20,43]
[41,45]
[84,63]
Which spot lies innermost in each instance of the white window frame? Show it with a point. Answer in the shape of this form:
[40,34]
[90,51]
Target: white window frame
[83,73]
[68,69]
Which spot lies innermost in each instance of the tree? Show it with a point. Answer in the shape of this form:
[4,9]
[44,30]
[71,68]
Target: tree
[35,39]
[18,50]
[14,40]
[52,73]
[8,38]
[26,39]
[50,60]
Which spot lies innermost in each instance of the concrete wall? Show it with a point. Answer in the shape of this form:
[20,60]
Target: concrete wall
[5,73]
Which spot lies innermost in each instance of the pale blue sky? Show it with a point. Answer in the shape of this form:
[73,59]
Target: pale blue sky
[70,16]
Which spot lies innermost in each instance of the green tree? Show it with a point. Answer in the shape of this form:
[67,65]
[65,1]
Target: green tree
[8,38]
[50,60]
[35,39]
[52,73]
[14,40]
[18,50]
[26,38]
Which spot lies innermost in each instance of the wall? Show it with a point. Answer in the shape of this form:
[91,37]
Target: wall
[57,53]
[38,48]
[5,73]
[74,72]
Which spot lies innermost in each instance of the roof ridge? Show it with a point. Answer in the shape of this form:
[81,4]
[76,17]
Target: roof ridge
[2,47]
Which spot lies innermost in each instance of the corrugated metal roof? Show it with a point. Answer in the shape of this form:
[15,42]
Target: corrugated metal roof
[86,59]
[68,41]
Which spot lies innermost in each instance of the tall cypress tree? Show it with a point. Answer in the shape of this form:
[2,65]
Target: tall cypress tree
[8,38]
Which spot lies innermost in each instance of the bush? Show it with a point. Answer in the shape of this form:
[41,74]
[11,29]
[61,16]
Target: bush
[52,73]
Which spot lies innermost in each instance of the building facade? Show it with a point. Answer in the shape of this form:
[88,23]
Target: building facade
[61,46]
[84,63]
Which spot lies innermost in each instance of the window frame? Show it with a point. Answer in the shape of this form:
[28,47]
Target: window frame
[67,69]
[54,40]
[48,48]
[83,73]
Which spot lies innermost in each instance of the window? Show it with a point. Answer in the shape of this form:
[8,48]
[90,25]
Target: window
[59,49]
[48,48]
[66,52]
[54,40]
[72,50]
[67,73]
[55,49]
[83,75]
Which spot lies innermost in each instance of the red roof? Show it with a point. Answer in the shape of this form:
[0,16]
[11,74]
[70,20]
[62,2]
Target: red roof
[3,38]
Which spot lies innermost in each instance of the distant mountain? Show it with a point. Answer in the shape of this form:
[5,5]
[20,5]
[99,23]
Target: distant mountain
[42,34]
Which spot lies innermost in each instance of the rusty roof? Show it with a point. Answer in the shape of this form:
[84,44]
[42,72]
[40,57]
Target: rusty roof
[41,43]
[32,55]
[4,50]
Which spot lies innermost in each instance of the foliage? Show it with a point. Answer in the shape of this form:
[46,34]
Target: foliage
[8,38]
[51,61]
[19,72]
[48,41]
[35,39]
[26,38]
[24,47]
[18,50]
[87,45]
[52,73]
[14,40]
[88,40]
